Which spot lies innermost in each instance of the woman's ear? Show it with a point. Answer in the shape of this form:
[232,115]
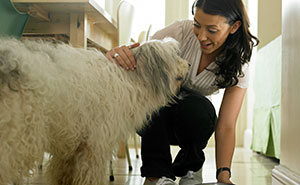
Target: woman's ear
[235,26]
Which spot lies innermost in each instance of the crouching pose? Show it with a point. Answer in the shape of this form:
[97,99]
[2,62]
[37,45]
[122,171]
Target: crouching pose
[218,47]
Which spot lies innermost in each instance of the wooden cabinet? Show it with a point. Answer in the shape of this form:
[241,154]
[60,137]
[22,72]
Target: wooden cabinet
[80,22]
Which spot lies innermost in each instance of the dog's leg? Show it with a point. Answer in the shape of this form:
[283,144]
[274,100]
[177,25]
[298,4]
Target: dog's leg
[59,171]
[84,167]
[90,165]
[20,147]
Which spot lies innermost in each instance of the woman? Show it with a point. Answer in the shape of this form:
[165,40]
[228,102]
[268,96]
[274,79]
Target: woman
[218,46]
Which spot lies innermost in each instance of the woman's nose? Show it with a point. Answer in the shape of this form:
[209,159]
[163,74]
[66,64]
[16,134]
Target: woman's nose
[201,35]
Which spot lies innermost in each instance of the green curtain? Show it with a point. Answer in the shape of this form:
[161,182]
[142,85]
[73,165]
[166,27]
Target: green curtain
[12,22]
[267,103]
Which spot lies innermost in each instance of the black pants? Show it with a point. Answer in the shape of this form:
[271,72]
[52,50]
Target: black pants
[188,123]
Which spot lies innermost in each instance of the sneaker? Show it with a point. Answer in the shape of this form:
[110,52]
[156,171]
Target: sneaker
[160,181]
[191,178]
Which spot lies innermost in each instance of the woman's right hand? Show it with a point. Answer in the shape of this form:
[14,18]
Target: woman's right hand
[123,56]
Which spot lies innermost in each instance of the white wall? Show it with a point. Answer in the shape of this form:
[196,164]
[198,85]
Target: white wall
[290,146]
[289,170]
[176,10]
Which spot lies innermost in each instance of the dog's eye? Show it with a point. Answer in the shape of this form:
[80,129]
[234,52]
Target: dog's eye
[179,78]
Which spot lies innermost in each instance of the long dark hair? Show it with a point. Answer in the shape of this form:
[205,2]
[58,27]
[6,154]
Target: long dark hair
[238,46]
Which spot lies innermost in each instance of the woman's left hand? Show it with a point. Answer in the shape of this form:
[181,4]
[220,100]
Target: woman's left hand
[225,181]
[224,177]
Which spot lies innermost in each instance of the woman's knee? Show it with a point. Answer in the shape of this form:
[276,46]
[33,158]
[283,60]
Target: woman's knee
[196,117]
[199,109]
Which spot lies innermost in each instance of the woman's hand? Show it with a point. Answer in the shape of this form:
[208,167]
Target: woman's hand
[227,181]
[123,56]
[224,177]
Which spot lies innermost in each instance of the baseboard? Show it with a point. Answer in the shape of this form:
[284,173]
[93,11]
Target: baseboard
[283,176]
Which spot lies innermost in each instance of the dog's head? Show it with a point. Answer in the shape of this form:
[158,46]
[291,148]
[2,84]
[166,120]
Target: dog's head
[160,66]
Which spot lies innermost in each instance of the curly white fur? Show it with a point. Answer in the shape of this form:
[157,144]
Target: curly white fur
[76,105]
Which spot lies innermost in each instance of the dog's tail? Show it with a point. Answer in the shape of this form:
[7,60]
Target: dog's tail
[9,71]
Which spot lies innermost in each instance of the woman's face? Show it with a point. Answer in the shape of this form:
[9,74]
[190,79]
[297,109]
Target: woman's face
[211,31]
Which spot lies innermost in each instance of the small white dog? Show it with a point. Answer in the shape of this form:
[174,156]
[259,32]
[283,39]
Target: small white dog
[76,105]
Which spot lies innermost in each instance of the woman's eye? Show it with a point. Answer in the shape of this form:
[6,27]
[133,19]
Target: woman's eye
[196,25]
[212,31]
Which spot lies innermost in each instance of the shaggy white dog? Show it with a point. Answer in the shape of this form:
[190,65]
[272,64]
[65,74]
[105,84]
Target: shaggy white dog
[76,105]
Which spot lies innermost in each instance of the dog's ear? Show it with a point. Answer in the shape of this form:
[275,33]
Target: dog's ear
[152,67]
[172,44]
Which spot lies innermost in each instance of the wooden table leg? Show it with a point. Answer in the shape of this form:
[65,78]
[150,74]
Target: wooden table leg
[78,29]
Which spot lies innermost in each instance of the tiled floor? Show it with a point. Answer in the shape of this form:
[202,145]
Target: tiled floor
[248,168]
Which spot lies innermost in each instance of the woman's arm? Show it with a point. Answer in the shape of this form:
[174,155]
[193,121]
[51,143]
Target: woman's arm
[225,131]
